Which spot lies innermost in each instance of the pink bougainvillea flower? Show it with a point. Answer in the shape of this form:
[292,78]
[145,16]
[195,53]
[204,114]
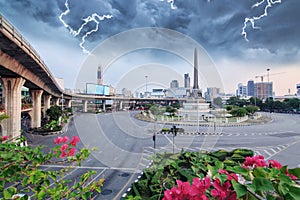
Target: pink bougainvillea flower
[290,175]
[63,154]
[275,164]
[222,191]
[255,161]
[4,138]
[199,186]
[182,191]
[74,141]
[64,147]
[58,140]
[65,139]
[72,152]
[230,176]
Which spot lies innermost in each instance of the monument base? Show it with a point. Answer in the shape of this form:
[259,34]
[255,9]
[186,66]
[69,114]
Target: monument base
[195,109]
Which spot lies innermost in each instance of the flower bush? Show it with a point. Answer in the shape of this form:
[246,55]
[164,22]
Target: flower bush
[210,175]
[20,171]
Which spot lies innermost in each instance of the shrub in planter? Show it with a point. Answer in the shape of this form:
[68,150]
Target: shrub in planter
[54,112]
[243,152]
[210,178]
[238,158]
[220,154]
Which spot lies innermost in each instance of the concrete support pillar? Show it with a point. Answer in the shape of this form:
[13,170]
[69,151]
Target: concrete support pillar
[36,97]
[84,102]
[121,105]
[47,98]
[68,103]
[12,88]
[55,101]
[104,105]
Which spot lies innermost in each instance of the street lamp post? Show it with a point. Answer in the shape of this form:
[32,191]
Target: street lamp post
[146,86]
[62,101]
[268,72]
[269,90]
[197,116]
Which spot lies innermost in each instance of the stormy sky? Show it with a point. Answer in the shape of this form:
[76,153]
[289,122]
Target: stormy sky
[215,25]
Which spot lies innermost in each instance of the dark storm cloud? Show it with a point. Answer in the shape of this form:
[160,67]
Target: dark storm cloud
[215,24]
[45,11]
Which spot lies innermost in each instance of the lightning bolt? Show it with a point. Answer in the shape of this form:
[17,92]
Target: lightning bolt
[172,3]
[252,20]
[92,18]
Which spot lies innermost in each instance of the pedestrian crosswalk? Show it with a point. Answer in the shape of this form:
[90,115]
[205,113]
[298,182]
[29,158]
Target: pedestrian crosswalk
[226,134]
[191,133]
[266,151]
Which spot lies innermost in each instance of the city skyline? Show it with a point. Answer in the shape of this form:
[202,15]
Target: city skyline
[216,26]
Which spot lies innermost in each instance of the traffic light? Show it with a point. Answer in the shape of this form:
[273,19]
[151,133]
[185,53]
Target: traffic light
[174,130]
[153,137]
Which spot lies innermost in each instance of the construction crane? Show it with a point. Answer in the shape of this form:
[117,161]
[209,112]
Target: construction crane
[262,76]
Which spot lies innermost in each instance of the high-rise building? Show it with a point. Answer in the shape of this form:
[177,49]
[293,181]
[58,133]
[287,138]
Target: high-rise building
[99,75]
[298,89]
[187,81]
[250,88]
[263,90]
[242,90]
[174,84]
[212,93]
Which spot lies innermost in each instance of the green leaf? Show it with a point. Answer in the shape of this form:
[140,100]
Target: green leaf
[270,197]
[240,189]
[221,177]
[9,192]
[295,172]
[250,196]
[294,192]
[238,170]
[282,189]
[285,179]
[262,184]
[41,194]
[260,172]
[219,164]
[214,170]
[135,190]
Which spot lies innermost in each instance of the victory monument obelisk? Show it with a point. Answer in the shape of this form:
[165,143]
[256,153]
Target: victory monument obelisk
[195,107]
[196,92]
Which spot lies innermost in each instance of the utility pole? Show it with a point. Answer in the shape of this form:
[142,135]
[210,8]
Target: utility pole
[146,86]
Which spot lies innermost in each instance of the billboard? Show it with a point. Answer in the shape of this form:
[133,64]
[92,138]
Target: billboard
[96,89]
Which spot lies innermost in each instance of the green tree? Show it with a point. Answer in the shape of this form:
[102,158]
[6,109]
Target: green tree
[269,104]
[279,106]
[293,103]
[218,102]
[255,101]
[171,109]
[236,101]
[54,112]
[238,112]
[229,107]
[251,109]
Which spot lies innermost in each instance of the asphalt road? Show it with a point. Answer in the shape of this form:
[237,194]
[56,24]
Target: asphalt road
[125,144]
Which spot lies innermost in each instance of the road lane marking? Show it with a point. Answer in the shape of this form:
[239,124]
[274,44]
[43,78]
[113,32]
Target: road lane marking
[89,167]
[267,153]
